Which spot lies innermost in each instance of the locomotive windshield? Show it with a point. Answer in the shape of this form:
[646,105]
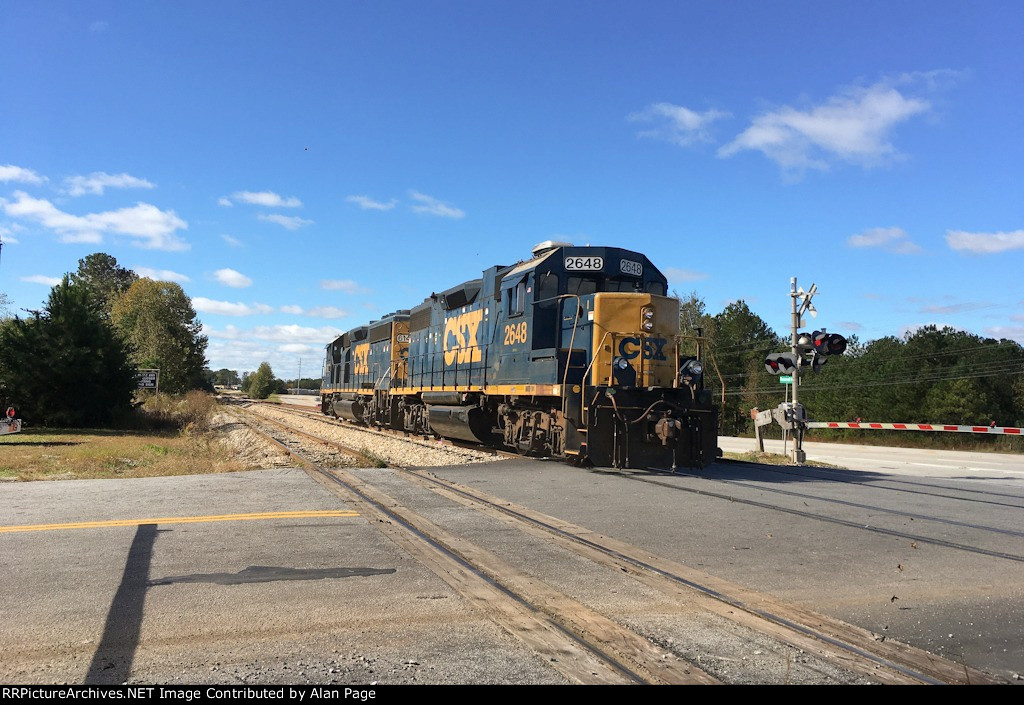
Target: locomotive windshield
[582,286]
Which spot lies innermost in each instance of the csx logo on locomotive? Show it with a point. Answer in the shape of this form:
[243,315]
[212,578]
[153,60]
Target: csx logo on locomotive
[361,359]
[461,343]
[652,348]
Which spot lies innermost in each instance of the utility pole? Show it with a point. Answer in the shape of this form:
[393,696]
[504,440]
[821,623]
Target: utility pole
[298,381]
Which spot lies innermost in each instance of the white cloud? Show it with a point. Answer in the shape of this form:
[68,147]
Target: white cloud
[226,202]
[327,312]
[958,308]
[432,206]
[93,238]
[154,229]
[675,274]
[277,334]
[234,242]
[889,239]
[297,348]
[985,243]
[42,279]
[1007,332]
[265,198]
[367,203]
[679,125]
[6,234]
[292,222]
[849,325]
[852,126]
[9,172]
[162,275]
[293,310]
[346,285]
[229,277]
[97,181]
[227,308]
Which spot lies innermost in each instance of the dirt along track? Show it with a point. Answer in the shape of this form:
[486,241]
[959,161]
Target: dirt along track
[667,623]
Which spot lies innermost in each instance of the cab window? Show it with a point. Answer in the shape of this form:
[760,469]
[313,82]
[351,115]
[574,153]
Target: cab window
[580,286]
[517,299]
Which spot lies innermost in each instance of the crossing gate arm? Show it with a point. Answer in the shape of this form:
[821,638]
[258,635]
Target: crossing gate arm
[991,430]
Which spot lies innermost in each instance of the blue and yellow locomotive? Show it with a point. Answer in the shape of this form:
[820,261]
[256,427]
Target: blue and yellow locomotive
[574,353]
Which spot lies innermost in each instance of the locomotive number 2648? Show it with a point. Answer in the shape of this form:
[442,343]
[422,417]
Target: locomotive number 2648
[515,333]
[584,264]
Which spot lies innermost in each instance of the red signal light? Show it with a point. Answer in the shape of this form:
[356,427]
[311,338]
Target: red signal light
[11,413]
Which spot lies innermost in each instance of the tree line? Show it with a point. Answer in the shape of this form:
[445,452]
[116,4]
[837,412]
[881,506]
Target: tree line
[75,361]
[930,375]
[267,382]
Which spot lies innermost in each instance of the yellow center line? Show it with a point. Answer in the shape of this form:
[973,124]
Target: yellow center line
[177,520]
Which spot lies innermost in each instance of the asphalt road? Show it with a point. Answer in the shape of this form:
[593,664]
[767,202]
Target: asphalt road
[901,461]
[935,562]
[242,600]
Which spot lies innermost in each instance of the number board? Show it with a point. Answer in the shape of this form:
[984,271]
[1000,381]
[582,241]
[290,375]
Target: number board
[402,338]
[584,264]
[628,266]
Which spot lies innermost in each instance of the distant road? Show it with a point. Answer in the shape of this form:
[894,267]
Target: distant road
[300,399]
[900,461]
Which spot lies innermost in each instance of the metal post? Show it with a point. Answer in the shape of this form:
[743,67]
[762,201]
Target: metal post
[798,453]
[298,382]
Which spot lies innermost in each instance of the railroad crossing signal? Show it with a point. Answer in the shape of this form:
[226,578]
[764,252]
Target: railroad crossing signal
[777,363]
[828,343]
[817,361]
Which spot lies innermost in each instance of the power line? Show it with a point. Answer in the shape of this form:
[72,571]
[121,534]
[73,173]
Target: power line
[1013,369]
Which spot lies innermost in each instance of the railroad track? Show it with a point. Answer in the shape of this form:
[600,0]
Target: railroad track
[585,645]
[391,433]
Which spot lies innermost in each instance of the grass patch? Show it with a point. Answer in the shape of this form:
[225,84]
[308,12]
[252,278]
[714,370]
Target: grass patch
[62,454]
[776,459]
[378,462]
[189,413]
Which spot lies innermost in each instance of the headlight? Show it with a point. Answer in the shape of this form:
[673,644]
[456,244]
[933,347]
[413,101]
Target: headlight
[691,369]
[647,319]
[621,362]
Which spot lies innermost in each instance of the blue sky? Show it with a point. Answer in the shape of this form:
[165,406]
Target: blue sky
[301,168]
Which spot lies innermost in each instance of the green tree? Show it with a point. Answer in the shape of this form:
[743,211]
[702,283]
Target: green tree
[739,340]
[261,382]
[158,322]
[101,276]
[65,366]
[226,377]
